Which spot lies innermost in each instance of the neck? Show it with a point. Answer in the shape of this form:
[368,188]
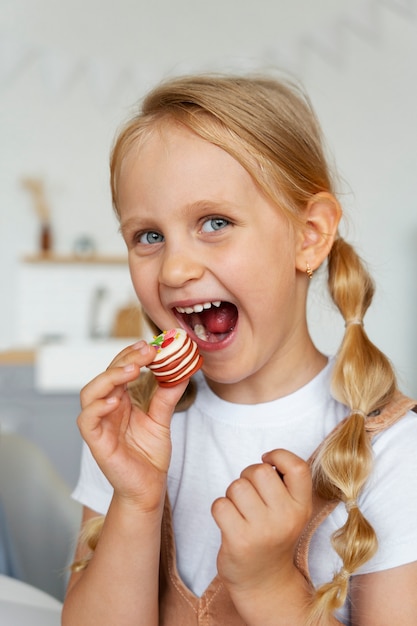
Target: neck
[278,379]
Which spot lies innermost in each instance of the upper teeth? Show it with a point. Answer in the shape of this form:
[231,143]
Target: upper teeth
[197,308]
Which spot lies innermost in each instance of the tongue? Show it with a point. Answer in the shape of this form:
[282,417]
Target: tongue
[220,319]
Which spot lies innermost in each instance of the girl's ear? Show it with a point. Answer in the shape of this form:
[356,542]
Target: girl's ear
[315,239]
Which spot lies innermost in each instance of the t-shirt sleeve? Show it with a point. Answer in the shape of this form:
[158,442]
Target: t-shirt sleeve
[390,498]
[93,489]
[389,503]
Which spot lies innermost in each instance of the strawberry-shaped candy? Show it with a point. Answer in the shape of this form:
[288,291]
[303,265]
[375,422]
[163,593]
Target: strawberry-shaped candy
[177,357]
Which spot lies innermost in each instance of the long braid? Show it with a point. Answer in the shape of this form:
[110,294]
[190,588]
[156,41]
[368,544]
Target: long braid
[364,380]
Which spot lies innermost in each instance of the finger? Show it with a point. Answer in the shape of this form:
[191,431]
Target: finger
[164,401]
[266,481]
[246,497]
[132,359]
[91,416]
[227,517]
[127,364]
[140,352]
[295,472]
[108,383]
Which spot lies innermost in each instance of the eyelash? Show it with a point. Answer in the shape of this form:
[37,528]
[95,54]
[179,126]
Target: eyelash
[216,218]
[140,236]
[143,237]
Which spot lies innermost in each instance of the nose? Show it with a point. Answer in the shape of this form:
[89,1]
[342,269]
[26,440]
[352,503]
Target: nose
[180,265]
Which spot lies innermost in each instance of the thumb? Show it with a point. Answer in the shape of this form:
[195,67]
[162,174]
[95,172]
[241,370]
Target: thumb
[164,401]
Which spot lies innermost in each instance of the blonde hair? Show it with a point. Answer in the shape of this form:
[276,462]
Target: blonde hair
[270,128]
[261,122]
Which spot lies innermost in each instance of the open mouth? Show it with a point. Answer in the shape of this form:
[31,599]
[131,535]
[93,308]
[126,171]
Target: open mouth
[209,321]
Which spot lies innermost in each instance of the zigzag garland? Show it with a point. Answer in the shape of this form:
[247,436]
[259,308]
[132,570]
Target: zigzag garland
[366,23]
[61,71]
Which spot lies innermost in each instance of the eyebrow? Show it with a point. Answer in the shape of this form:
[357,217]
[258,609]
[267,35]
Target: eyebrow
[133,223]
[200,206]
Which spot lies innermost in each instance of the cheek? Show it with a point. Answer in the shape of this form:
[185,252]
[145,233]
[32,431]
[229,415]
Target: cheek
[144,286]
[148,302]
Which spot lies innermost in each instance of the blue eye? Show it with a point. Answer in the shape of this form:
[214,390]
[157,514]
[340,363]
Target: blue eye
[214,223]
[150,237]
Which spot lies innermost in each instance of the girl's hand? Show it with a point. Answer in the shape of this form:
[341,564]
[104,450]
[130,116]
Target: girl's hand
[261,518]
[132,448]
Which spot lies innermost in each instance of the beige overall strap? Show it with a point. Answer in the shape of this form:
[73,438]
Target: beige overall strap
[391,413]
[397,408]
[178,606]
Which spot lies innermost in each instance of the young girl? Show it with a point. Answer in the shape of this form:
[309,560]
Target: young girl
[227,208]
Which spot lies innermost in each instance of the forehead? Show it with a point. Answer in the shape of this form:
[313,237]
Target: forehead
[164,138]
[202,129]
[171,154]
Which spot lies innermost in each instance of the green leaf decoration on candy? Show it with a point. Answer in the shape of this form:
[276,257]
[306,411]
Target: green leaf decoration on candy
[164,339]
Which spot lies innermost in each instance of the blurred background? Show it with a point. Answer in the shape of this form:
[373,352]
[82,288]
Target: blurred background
[72,72]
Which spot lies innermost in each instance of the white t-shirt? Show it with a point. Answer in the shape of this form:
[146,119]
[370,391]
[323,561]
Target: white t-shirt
[215,440]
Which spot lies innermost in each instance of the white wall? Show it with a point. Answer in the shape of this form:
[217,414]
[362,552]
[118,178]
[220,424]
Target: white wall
[70,72]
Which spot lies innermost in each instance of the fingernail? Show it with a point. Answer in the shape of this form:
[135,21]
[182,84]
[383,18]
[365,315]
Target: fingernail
[129,368]
[142,347]
[139,344]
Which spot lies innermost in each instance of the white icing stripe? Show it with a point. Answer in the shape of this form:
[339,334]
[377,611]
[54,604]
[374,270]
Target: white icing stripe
[166,359]
[183,366]
[187,371]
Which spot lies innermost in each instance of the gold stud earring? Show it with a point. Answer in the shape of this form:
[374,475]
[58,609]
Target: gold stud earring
[309,271]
